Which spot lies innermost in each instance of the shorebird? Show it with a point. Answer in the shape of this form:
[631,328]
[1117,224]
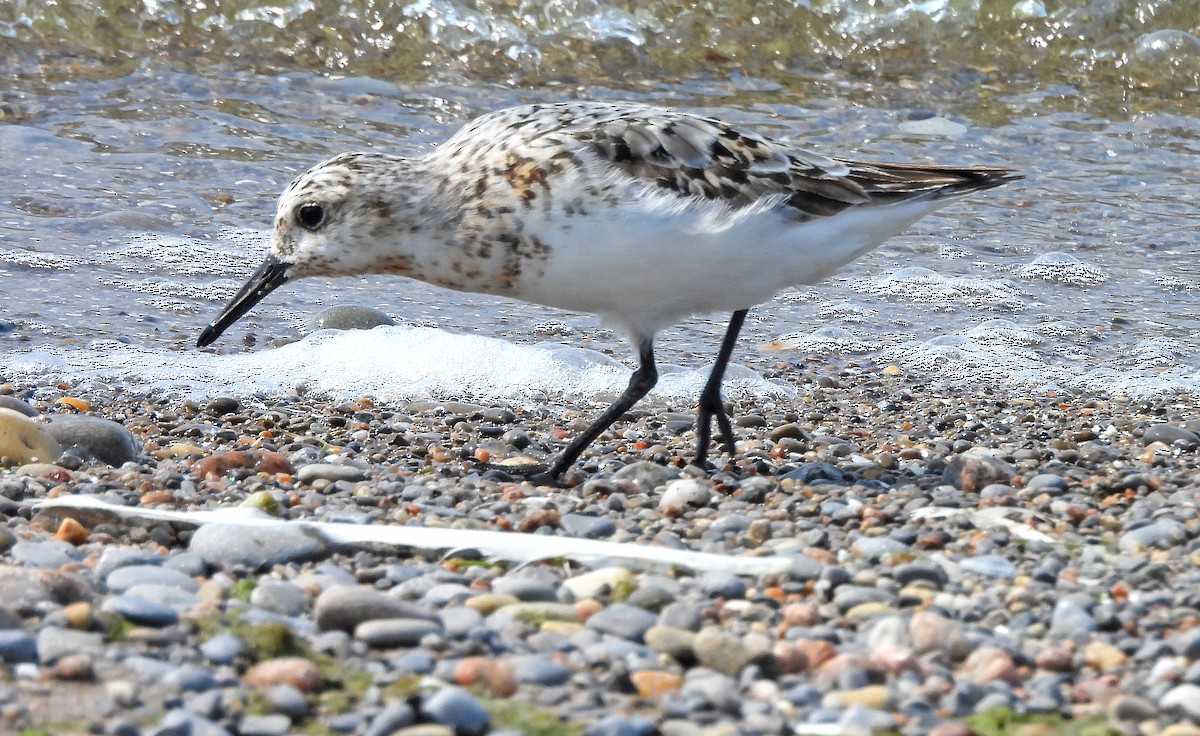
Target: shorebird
[643,215]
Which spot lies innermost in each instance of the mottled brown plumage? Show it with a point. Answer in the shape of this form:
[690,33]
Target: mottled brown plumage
[643,215]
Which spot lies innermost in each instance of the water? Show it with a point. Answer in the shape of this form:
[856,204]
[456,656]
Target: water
[141,152]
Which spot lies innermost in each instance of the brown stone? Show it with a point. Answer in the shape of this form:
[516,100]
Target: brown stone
[800,614]
[991,663]
[933,632]
[298,672]
[653,683]
[1103,656]
[71,531]
[46,471]
[895,659]
[263,461]
[76,667]
[496,675]
[816,651]
[790,659]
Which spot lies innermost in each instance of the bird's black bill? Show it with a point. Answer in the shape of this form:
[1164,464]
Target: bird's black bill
[270,275]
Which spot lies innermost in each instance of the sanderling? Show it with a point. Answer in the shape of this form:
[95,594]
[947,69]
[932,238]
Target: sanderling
[642,215]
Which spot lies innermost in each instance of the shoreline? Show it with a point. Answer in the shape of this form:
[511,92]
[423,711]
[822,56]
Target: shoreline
[954,555]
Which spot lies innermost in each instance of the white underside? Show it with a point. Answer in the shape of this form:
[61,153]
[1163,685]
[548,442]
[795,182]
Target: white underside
[652,261]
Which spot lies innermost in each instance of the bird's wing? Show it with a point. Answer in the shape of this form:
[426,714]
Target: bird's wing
[702,157]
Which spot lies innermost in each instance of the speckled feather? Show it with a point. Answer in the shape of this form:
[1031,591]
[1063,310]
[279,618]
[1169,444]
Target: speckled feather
[620,209]
[640,214]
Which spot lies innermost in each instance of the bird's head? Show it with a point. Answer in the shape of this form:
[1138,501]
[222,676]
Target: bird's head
[329,222]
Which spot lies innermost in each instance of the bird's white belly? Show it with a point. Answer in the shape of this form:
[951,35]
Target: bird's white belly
[644,267]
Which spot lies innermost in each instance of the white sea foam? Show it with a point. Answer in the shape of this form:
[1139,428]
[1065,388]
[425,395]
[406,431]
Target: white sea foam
[389,363]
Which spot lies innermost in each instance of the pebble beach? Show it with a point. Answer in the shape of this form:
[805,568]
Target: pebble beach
[956,564]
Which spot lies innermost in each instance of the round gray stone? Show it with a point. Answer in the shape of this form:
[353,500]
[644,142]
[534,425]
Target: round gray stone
[344,607]
[141,611]
[279,596]
[623,621]
[1162,533]
[223,648]
[330,472]
[16,645]
[48,554]
[347,317]
[100,438]
[21,407]
[126,577]
[723,584]
[258,547]
[114,557]
[541,671]
[457,708]
[395,632]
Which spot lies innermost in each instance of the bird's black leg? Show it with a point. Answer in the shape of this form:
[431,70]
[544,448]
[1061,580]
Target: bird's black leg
[711,404]
[640,383]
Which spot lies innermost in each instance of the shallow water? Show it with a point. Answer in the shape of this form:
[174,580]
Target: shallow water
[142,152]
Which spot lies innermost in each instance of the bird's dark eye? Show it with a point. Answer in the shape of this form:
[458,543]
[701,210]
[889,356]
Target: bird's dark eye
[310,216]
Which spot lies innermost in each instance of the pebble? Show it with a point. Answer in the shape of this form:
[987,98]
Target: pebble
[887,620]
[973,470]
[1165,533]
[587,526]
[140,610]
[721,651]
[297,672]
[127,576]
[1170,434]
[279,597]
[1183,700]
[347,317]
[49,554]
[223,648]
[685,492]
[330,472]
[256,547]
[599,582]
[395,632]
[992,566]
[25,441]
[17,646]
[54,642]
[541,671]
[457,708]
[623,621]
[99,438]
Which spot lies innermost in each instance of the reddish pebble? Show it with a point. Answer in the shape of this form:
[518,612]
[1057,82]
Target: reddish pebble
[789,659]
[800,614]
[586,607]
[832,670]
[75,667]
[263,461]
[817,651]
[298,672]
[495,675]
[1096,690]
[990,663]
[895,659]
